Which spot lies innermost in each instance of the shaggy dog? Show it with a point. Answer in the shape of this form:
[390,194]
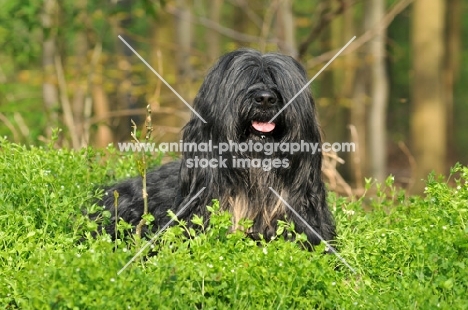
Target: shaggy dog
[239,96]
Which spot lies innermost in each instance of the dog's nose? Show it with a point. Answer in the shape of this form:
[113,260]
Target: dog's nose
[265,98]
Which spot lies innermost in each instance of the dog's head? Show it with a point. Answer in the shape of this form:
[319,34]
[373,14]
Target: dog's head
[246,89]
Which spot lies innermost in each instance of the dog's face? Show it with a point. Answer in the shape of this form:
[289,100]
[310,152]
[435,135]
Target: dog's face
[261,103]
[246,89]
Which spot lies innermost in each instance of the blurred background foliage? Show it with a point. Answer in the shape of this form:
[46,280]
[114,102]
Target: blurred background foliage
[399,90]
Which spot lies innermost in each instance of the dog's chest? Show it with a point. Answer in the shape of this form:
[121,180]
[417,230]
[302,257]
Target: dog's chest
[254,201]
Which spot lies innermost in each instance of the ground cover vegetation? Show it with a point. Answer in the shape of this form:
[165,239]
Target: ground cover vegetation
[408,252]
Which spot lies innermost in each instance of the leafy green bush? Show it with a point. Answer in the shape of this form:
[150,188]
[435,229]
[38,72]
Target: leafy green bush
[408,252]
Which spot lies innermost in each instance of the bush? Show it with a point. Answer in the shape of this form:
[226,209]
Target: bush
[408,252]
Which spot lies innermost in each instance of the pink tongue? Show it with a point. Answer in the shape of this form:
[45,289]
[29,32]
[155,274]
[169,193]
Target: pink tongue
[263,127]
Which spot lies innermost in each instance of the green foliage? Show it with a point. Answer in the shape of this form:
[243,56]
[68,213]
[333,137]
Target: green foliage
[409,252]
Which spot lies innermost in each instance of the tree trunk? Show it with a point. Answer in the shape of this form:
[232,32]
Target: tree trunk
[183,40]
[353,92]
[428,119]
[213,41]
[375,11]
[358,120]
[49,87]
[163,60]
[81,49]
[331,105]
[451,69]
[285,29]
[240,24]
[101,109]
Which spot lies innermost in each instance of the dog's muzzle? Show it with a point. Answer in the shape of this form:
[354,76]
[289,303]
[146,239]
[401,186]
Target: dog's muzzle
[266,102]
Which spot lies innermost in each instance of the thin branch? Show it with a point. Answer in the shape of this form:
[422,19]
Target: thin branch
[132,112]
[334,157]
[335,180]
[364,38]
[143,168]
[244,5]
[116,205]
[324,21]
[66,107]
[267,21]
[142,171]
[88,108]
[10,126]
[21,124]
[149,123]
[411,161]
[155,101]
[356,157]
[239,36]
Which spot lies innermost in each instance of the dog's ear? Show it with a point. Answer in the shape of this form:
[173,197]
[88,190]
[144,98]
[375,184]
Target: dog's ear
[209,104]
[193,175]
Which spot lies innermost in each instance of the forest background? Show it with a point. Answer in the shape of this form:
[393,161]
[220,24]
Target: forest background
[398,91]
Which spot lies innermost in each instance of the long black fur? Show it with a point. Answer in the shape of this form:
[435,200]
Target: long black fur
[229,100]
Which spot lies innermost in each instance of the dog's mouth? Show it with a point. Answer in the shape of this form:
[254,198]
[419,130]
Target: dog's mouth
[263,127]
[260,128]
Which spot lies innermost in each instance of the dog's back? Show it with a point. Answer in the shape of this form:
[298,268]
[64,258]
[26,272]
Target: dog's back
[162,187]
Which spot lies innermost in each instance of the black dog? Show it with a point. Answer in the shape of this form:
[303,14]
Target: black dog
[241,93]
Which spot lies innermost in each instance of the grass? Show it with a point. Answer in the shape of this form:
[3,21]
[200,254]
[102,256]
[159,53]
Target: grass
[409,252]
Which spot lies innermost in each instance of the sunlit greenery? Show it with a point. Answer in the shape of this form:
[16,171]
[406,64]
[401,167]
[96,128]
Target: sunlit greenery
[408,252]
